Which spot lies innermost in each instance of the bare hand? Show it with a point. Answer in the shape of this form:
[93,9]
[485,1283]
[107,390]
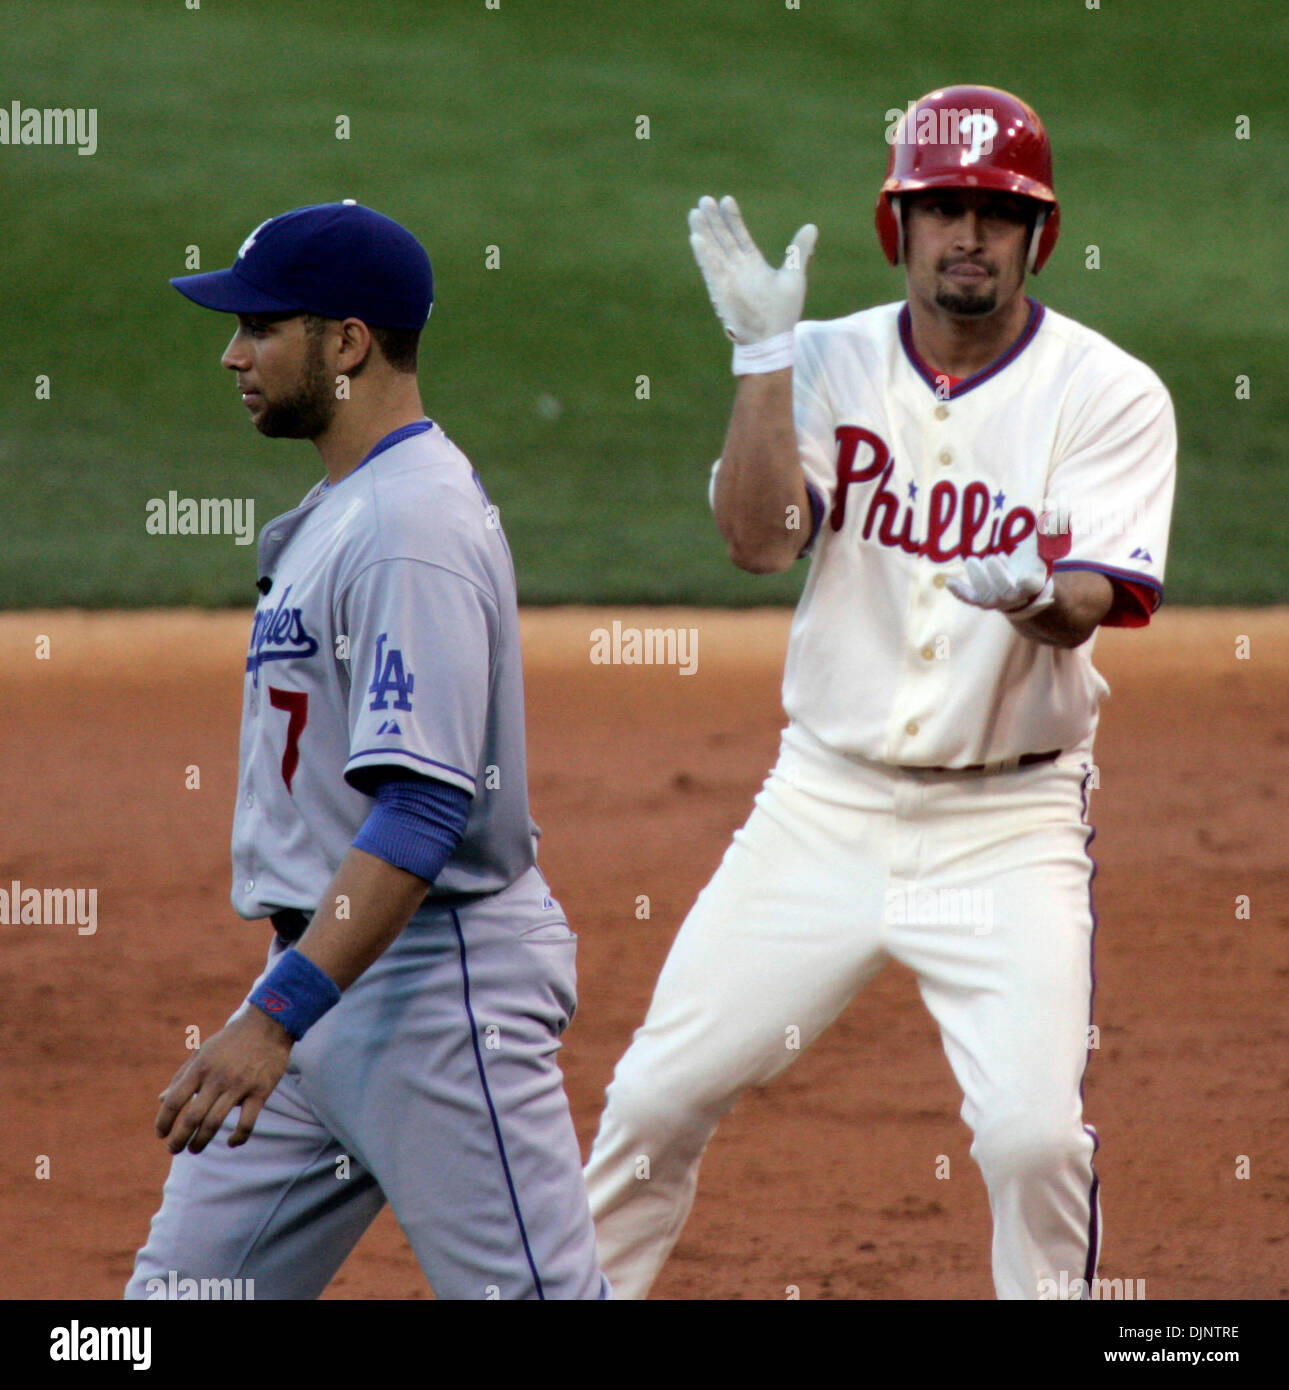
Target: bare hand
[240,1065]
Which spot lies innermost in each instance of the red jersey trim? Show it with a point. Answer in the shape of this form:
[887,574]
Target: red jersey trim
[1135,598]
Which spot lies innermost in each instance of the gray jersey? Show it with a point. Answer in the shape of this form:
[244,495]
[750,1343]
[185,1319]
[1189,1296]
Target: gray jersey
[388,637]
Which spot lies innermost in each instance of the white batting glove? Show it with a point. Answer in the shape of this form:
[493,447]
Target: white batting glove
[1019,585]
[758,307]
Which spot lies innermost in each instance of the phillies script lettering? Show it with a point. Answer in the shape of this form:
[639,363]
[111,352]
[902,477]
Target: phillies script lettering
[958,523]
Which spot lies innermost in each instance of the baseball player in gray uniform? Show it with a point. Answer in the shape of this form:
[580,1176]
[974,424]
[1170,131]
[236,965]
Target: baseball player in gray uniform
[401,1042]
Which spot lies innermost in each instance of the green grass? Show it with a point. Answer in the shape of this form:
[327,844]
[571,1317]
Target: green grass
[516,128]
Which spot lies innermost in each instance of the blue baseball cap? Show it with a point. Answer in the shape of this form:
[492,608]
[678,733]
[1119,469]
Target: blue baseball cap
[338,260]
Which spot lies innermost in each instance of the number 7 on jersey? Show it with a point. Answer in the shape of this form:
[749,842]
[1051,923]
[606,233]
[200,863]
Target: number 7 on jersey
[296,702]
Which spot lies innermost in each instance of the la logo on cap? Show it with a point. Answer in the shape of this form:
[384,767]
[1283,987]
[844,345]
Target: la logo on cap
[250,240]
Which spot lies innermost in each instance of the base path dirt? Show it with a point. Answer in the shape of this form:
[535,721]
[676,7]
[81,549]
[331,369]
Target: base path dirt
[826,1180]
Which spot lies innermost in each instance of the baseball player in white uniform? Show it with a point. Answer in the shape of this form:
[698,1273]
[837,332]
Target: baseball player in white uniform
[979,483]
[401,1043]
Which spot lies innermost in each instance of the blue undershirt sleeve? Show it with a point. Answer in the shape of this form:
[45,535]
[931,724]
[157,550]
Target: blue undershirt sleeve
[416,824]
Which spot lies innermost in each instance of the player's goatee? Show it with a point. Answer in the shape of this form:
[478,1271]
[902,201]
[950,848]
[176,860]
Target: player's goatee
[967,304]
[308,410]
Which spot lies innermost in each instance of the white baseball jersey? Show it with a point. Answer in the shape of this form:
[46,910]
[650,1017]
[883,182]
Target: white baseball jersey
[389,637]
[913,474]
[847,862]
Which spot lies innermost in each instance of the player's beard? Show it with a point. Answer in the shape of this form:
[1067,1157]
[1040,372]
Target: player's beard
[308,410]
[966,303]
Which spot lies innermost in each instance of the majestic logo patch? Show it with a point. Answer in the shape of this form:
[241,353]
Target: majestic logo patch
[278,634]
[958,523]
[389,677]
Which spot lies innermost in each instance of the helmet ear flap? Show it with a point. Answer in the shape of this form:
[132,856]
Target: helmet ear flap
[890,227]
[1031,261]
[1047,227]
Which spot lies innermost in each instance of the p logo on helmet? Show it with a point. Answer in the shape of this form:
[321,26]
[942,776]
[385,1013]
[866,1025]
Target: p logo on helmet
[978,129]
[1001,145]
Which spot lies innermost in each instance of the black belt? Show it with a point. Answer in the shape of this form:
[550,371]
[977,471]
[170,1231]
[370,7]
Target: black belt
[290,922]
[1025,760]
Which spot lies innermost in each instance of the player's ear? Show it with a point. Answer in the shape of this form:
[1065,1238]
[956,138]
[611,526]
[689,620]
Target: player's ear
[355,346]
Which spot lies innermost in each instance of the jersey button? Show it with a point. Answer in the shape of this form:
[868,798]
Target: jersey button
[250,801]
[928,653]
[248,885]
[942,412]
[939,581]
[911,727]
[946,455]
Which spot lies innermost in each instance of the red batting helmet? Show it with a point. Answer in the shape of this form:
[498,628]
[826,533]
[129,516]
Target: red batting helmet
[970,137]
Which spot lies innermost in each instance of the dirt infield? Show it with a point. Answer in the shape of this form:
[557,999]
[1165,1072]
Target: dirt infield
[826,1179]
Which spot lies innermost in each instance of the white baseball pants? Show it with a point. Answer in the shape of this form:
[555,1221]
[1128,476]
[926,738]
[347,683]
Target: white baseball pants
[981,884]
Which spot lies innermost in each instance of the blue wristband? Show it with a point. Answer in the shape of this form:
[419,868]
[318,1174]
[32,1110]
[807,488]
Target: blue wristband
[296,993]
